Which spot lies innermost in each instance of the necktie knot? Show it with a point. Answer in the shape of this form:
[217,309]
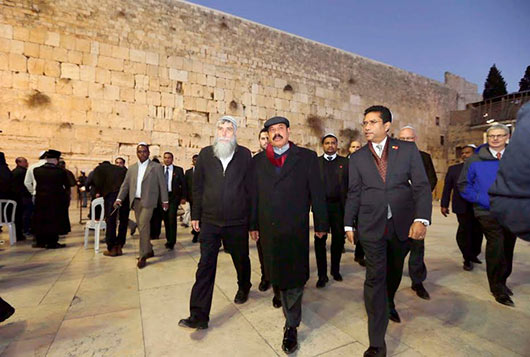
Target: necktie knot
[379,148]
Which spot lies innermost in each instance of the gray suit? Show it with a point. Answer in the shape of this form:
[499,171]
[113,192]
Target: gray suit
[154,189]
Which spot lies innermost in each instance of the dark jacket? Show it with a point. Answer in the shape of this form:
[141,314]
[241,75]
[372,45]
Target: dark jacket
[107,178]
[221,198]
[280,205]
[459,204]
[429,169]
[477,176]
[19,189]
[189,185]
[179,188]
[6,179]
[510,193]
[406,190]
[341,172]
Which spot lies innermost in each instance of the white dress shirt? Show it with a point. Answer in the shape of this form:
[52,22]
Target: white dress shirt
[142,166]
[330,157]
[494,152]
[225,161]
[169,169]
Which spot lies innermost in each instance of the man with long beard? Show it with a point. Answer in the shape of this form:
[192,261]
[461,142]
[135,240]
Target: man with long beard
[220,212]
[285,184]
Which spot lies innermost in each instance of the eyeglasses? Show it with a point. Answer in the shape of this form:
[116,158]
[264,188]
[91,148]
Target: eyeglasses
[500,136]
[370,123]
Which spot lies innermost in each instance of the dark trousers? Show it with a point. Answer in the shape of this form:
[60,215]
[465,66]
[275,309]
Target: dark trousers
[469,235]
[23,216]
[500,243]
[336,223]
[170,221]
[235,238]
[417,268]
[260,255]
[359,251]
[384,267]
[292,306]
[156,223]
[111,221]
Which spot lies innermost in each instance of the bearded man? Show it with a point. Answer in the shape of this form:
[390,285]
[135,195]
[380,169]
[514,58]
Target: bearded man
[220,211]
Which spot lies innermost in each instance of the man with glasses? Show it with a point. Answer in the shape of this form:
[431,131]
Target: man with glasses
[477,176]
[390,203]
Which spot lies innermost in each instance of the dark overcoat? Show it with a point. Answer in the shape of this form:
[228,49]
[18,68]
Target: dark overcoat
[280,204]
[51,199]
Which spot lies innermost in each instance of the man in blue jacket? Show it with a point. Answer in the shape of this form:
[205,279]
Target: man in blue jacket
[477,177]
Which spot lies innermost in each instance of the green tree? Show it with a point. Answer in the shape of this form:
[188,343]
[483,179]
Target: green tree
[495,84]
[524,83]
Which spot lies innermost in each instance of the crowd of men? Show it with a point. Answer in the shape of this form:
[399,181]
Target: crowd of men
[379,198]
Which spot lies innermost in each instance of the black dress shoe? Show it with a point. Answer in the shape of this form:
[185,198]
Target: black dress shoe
[468,265]
[509,291]
[35,245]
[476,260]
[504,299]
[321,282]
[394,316]
[150,254]
[276,302]
[337,277]
[142,262]
[195,239]
[264,285]
[375,352]
[6,310]
[421,292]
[192,322]
[55,246]
[290,340]
[241,296]
[169,246]
[361,261]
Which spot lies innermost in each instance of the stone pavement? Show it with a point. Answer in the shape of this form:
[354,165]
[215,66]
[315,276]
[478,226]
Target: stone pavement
[71,302]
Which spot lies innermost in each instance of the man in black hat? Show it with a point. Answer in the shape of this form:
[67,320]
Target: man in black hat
[50,199]
[285,184]
[334,175]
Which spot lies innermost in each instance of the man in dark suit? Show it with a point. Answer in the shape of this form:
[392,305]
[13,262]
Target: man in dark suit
[189,192]
[469,233]
[389,201]
[334,175]
[417,267]
[177,191]
[23,198]
[107,182]
[285,183]
[220,213]
[145,186]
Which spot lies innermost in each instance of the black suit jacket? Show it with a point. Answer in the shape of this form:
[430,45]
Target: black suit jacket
[406,190]
[19,189]
[429,169]
[107,178]
[189,185]
[342,172]
[178,184]
[459,205]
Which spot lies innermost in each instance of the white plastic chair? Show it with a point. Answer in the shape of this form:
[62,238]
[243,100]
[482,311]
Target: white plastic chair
[5,221]
[96,223]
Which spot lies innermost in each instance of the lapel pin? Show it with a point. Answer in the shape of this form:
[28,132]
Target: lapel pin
[394,147]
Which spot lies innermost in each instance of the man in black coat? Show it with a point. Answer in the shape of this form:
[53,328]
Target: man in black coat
[6,179]
[285,184]
[23,198]
[334,175]
[51,200]
[469,233]
[71,183]
[189,192]
[390,203]
[417,267]
[177,191]
[220,212]
[107,179]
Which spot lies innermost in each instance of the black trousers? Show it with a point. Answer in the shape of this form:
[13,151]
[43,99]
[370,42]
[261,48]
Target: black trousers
[23,216]
[156,223]
[500,243]
[292,306]
[385,258]
[260,255]
[336,223]
[417,268]
[170,221]
[234,238]
[469,235]
[359,251]
[122,214]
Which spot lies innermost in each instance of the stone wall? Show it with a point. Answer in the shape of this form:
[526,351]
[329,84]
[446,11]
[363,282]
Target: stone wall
[94,78]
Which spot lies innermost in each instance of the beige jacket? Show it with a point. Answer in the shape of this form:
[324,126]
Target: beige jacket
[154,186]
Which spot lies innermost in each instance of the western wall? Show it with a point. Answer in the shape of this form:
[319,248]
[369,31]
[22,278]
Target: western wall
[94,78]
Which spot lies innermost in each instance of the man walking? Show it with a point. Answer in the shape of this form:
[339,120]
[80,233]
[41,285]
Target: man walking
[469,234]
[285,184]
[177,190]
[334,175]
[145,186]
[389,201]
[220,212]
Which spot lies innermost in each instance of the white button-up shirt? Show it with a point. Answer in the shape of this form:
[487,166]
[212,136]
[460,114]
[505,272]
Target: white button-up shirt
[169,170]
[142,166]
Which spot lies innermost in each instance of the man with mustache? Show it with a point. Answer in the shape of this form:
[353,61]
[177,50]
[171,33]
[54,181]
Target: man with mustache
[285,184]
[389,202]
[220,211]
